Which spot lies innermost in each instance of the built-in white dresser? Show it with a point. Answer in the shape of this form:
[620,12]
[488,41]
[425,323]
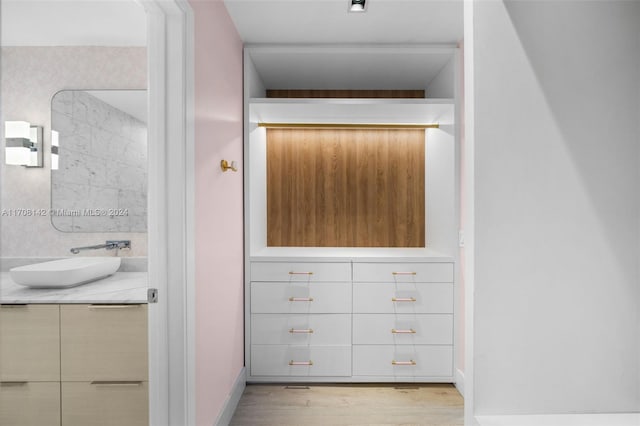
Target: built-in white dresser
[402,321]
[300,319]
[350,320]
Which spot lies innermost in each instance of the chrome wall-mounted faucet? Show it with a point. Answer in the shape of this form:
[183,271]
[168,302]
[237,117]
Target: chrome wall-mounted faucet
[109,245]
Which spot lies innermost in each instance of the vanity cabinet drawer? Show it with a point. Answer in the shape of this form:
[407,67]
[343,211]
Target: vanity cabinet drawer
[29,343]
[403,272]
[284,360]
[301,271]
[105,404]
[103,342]
[301,329]
[392,298]
[30,404]
[389,329]
[403,361]
[296,297]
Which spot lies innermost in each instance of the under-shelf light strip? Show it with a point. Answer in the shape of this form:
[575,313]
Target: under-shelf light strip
[348,125]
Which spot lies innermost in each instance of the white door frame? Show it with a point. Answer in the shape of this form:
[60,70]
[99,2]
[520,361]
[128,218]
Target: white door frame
[171,212]
[468,164]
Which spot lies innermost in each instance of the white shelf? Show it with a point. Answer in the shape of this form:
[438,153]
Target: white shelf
[361,254]
[348,111]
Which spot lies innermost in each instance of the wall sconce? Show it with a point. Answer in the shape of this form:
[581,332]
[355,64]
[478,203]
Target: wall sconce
[357,6]
[224,165]
[54,150]
[23,144]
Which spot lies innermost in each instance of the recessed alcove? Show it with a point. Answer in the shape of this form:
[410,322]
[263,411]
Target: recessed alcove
[437,181]
[276,81]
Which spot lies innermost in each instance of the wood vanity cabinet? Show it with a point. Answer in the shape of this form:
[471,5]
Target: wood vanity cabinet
[74,364]
[103,343]
[104,365]
[29,365]
[105,404]
[30,343]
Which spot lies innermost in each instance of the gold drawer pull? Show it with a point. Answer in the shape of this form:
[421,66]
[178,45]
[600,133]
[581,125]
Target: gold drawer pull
[116,383]
[110,306]
[301,330]
[305,363]
[410,362]
[8,383]
[404,273]
[403,299]
[300,273]
[409,331]
[301,299]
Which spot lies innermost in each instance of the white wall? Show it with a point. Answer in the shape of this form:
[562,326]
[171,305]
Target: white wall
[557,206]
[443,84]
[254,85]
[440,214]
[30,78]
[256,159]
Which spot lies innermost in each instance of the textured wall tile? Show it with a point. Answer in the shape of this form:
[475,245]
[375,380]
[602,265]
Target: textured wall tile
[30,76]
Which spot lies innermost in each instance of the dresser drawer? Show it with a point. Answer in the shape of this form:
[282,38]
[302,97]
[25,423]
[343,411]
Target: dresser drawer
[403,272]
[30,404]
[404,329]
[103,342]
[301,329]
[297,297]
[301,271]
[403,361]
[409,298]
[29,343]
[105,404]
[284,360]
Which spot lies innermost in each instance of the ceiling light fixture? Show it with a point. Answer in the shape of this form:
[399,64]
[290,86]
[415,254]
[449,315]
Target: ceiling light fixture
[357,5]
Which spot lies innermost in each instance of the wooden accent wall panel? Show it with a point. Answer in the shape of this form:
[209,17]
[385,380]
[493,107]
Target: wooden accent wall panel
[309,93]
[345,188]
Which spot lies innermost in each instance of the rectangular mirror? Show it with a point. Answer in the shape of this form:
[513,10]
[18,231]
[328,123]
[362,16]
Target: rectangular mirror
[99,161]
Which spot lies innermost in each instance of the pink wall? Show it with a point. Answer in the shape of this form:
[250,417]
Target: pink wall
[219,223]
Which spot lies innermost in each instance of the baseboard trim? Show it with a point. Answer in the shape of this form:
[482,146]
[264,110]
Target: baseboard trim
[230,405]
[460,381]
[599,419]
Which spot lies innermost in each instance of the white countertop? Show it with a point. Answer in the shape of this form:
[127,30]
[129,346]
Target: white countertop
[121,287]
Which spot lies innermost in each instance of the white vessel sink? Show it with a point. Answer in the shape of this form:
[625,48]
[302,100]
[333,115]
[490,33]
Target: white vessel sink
[65,272]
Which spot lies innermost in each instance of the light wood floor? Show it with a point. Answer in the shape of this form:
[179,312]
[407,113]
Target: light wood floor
[276,405]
